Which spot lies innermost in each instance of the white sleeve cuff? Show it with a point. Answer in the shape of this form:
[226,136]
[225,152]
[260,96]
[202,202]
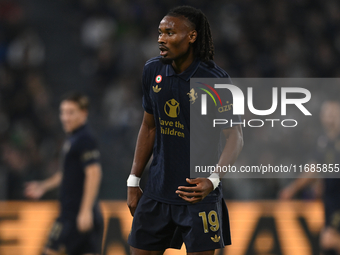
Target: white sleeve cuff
[215,179]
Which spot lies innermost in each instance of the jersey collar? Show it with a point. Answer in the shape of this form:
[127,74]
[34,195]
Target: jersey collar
[187,74]
[79,129]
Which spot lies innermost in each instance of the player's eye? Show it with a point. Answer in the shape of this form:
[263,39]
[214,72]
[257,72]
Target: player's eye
[170,33]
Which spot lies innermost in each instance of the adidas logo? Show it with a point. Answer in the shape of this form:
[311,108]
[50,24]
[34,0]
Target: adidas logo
[156,89]
[215,239]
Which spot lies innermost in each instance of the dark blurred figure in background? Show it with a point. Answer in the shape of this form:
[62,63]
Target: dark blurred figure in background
[79,227]
[327,152]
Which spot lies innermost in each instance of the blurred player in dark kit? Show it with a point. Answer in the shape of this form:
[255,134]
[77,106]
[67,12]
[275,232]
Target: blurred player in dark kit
[173,208]
[79,227]
[328,152]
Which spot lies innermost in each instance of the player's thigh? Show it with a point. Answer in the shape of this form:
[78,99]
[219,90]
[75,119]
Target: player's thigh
[135,251]
[89,243]
[204,226]
[57,236]
[152,227]
[48,251]
[330,238]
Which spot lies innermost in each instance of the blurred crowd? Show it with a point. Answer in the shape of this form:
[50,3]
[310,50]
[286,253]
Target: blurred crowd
[29,134]
[252,39]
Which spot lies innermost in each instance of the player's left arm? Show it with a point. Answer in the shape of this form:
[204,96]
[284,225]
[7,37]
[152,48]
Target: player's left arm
[93,174]
[232,148]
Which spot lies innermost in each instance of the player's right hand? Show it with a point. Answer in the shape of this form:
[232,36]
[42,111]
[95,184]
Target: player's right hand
[133,196]
[34,190]
[287,193]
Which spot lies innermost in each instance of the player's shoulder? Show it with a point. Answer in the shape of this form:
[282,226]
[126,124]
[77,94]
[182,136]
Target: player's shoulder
[86,138]
[211,69]
[153,63]
[153,68]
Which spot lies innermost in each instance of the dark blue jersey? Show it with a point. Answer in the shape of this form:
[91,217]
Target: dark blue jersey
[166,95]
[328,152]
[79,150]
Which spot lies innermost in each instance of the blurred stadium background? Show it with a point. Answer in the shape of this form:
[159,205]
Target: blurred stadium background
[48,48]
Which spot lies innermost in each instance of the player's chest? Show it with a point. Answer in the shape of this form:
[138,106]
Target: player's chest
[170,92]
[69,150]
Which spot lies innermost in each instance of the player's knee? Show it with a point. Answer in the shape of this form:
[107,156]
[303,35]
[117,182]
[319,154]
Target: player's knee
[329,252]
[135,251]
[50,252]
[329,239]
[212,252]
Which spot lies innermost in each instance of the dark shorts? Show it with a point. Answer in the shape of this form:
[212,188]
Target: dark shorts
[157,226]
[332,213]
[65,235]
[333,219]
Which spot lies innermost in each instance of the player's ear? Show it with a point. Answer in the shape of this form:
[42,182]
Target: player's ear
[85,113]
[192,36]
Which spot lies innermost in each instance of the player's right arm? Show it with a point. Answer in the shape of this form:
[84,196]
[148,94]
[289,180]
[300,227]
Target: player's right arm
[36,189]
[143,152]
[296,186]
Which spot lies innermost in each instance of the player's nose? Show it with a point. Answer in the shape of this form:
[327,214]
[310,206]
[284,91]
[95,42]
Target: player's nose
[161,39]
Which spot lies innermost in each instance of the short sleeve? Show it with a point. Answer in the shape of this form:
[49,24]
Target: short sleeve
[89,152]
[225,111]
[147,103]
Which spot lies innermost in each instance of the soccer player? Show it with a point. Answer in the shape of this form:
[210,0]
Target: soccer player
[328,152]
[173,208]
[79,227]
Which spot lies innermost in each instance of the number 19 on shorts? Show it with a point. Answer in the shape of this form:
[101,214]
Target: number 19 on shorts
[212,219]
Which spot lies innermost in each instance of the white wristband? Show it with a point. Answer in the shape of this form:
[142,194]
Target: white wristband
[133,181]
[215,179]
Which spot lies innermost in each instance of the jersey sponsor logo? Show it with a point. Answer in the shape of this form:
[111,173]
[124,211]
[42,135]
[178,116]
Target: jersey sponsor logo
[156,89]
[216,238]
[238,99]
[192,95]
[158,78]
[210,94]
[204,97]
[171,108]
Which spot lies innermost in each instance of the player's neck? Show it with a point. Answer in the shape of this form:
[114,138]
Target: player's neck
[332,134]
[77,128]
[183,63]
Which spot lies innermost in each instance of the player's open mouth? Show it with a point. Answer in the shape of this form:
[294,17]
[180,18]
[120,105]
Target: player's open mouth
[163,51]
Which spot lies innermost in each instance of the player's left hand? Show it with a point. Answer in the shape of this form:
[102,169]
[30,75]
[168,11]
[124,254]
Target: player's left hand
[196,193]
[85,221]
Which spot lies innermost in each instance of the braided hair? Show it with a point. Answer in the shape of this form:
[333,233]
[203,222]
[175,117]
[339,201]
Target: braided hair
[203,46]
